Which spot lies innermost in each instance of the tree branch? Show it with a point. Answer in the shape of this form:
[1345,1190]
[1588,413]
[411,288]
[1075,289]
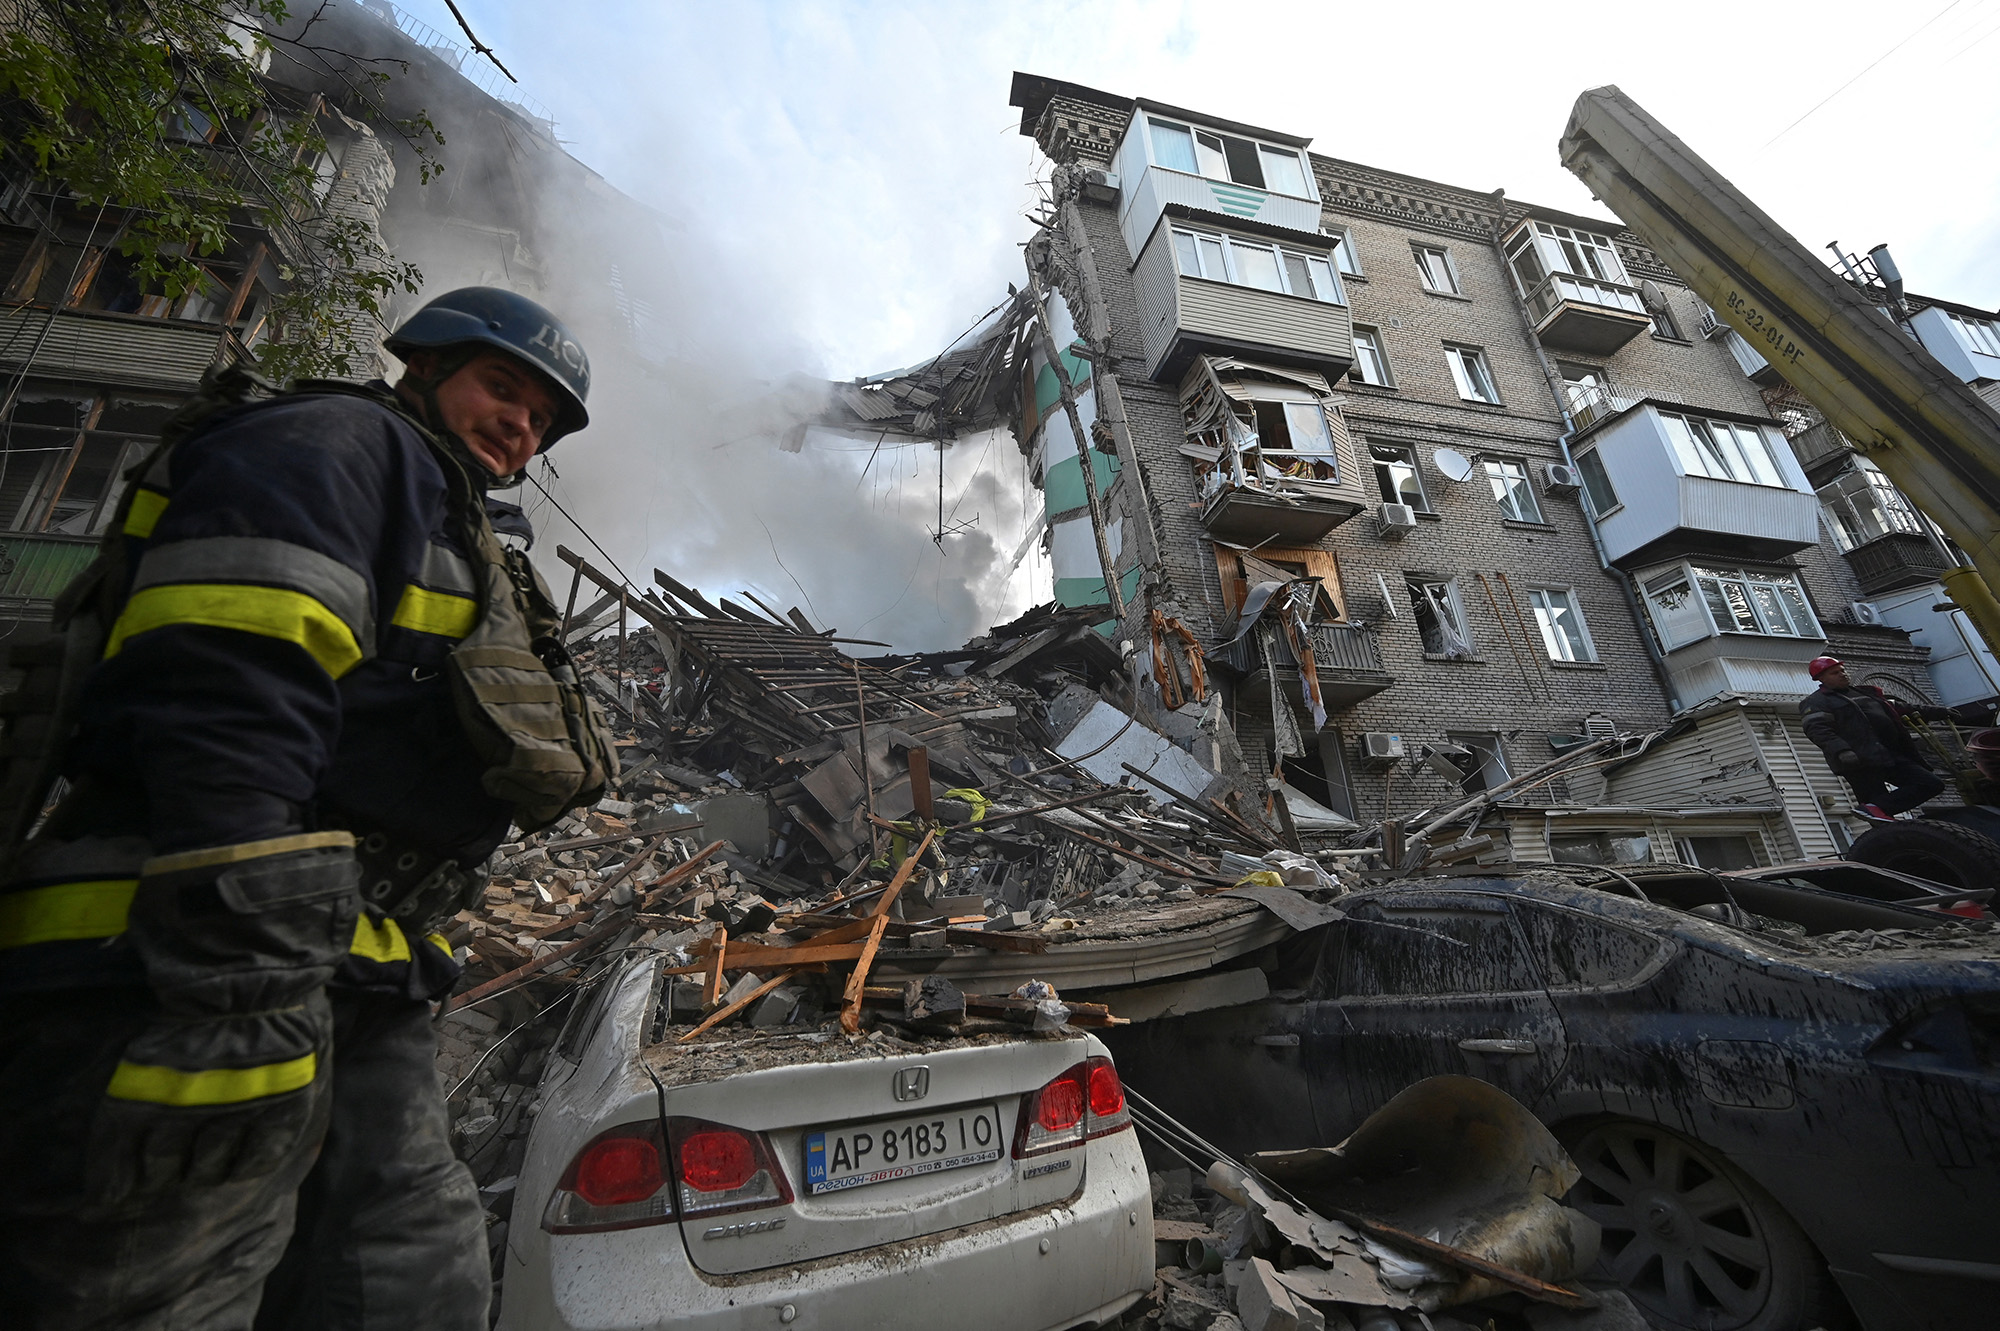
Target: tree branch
[481,47]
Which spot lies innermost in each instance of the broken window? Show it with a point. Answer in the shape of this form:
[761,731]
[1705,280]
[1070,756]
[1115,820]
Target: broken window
[1561,621]
[1218,156]
[1690,602]
[69,454]
[1371,364]
[1435,267]
[1440,617]
[1511,488]
[1469,372]
[1487,766]
[1397,477]
[1716,852]
[1249,426]
[1865,505]
[1600,848]
[1255,263]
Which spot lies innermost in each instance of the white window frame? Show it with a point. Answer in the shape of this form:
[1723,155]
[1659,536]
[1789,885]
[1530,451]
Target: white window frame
[1980,335]
[1557,644]
[1424,254]
[1513,488]
[1375,371]
[1472,374]
[1441,593]
[1212,163]
[1346,257]
[1721,450]
[1409,459]
[1852,496]
[1208,245]
[1768,603]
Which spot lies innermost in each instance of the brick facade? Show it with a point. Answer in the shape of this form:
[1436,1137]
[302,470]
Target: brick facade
[1510,688]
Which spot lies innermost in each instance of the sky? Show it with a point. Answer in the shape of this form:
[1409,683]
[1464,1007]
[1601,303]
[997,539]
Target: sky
[853,173]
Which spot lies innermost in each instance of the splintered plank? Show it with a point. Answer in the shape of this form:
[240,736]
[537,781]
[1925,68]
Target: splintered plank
[850,1009]
[711,993]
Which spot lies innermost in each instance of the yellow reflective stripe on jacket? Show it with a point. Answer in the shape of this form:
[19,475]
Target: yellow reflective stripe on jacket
[437,941]
[66,911]
[271,612]
[144,515]
[211,1086]
[427,611]
[379,940]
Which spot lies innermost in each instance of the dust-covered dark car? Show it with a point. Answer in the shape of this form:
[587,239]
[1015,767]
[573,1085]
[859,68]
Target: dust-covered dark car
[1783,1100]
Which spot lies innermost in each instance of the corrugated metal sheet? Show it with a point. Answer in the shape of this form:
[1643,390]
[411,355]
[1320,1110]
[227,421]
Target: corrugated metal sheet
[110,349]
[1267,318]
[1809,787]
[1717,762]
[38,567]
[1159,311]
[1762,511]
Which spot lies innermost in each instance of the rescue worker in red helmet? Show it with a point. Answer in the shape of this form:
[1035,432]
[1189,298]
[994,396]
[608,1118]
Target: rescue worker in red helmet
[312,690]
[1860,730]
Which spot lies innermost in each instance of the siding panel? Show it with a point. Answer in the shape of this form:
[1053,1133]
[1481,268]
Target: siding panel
[109,349]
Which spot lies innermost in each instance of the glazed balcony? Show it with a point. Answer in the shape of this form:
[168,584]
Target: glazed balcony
[1586,314]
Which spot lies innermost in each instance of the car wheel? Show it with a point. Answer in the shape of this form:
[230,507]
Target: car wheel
[1931,848]
[1695,1243]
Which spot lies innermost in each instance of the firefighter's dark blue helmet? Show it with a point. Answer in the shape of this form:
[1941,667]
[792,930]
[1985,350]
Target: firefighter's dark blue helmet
[488,316]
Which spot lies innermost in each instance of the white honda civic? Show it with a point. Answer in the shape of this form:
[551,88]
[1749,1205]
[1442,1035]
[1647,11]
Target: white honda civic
[803,1179]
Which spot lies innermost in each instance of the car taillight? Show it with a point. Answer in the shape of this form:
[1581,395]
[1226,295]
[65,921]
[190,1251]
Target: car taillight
[720,1168]
[617,1181]
[1086,1101]
[628,1176]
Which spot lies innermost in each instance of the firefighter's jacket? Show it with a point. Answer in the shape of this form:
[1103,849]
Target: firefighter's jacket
[278,665]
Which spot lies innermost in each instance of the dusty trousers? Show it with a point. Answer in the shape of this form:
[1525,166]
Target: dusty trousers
[370,1223]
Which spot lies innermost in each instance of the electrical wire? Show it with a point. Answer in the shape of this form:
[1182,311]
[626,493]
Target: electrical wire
[580,528]
[1857,78]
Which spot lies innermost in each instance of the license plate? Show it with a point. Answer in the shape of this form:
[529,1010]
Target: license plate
[853,1157]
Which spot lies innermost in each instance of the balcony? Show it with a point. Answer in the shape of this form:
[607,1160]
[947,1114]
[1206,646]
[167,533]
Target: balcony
[1586,314]
[127,350]
[1753,503]
[1821,446]
[1253,515]
[35,568]
[1182,317]
[1346,657]
[1899,559]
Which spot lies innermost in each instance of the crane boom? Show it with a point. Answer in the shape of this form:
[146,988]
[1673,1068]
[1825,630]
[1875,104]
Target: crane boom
[1931,434]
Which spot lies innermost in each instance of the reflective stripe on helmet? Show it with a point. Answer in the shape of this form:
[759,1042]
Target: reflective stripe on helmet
[210,1086]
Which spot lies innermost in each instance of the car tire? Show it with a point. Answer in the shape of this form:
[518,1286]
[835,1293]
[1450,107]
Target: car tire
[1930,848]
[1692,1239]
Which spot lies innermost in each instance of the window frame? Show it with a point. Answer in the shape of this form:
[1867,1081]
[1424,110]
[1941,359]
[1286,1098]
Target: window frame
[1346,257]
[1258,147]
[1458,357]
[1492,751]
[1232,274]
[1551,639]
[1509,496]
[1981,336]
[1417,584]
[1716,445]
[1418,251]
[1601,475]
[1837,500]
[1786,590]
[1373,338]
[1381,465]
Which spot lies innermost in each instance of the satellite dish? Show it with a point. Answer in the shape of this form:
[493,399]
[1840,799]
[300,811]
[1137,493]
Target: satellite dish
[1452,464]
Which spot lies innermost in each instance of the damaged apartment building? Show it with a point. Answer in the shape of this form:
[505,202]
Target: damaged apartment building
[1437,485]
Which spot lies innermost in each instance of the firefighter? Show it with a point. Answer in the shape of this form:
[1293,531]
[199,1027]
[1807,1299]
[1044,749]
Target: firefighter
[1861,731]
[304,691]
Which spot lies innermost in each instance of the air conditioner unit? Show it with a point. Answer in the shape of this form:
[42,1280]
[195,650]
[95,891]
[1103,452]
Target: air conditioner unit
[1599,727]
[1864,612]
[1380,746]
[1099,185]
[1712,325]
[1396,521]
[1559,478]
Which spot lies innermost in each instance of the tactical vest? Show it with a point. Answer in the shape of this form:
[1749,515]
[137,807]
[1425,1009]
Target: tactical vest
[515,691]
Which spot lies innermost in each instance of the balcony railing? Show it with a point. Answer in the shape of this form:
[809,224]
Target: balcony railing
[1819,443]
[1899,559]
[1346,657]
[1590,405]
[1586,313]
[35,567]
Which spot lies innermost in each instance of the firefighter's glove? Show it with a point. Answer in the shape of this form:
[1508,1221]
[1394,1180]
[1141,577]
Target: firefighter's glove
[1847,760]
[228,1080]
